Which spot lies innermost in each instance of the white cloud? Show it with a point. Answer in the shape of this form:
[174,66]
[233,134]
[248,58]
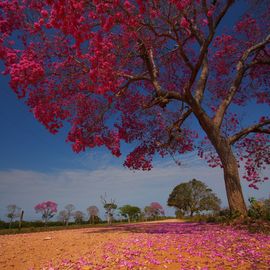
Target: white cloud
[84,187]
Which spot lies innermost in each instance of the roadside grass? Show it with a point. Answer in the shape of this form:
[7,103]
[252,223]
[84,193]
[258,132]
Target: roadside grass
[50,227]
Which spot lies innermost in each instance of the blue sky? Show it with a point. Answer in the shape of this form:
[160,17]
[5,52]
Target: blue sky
[37,166]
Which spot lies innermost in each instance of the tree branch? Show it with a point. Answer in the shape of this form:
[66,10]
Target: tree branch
[258,62]
[181,50]
[223,12]
[202,81]
[130,80]
[148,58]
[255,129]
[175,128]
[241,68]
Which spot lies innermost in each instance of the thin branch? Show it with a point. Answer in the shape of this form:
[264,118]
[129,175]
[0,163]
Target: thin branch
[194,30]
[181,49]
[148,58]
[223,12]
[152,29]
[255,129]
[265,131]
[130,80]
[241,68]
[176,126]
[257,62]
[209,18]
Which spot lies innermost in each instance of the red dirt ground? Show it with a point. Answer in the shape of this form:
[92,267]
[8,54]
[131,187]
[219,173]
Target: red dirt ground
[35,250]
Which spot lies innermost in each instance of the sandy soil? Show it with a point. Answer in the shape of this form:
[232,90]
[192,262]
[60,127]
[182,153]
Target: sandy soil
[32,250]
[24,251]
[35,250]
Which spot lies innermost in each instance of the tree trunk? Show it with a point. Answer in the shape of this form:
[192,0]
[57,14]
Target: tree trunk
[21,219]
[231,177]
[230,166]
[10,223]
[109,219]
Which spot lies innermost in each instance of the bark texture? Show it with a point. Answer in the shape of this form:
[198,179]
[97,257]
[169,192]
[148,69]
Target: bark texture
[231,177]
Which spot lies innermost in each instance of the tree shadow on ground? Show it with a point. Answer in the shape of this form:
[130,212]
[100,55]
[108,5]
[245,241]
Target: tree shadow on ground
[156,228]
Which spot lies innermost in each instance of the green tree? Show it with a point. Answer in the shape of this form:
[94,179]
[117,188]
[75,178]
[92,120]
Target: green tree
[109,208]
[193,197]
[179,213]
[259,209]
[130,212]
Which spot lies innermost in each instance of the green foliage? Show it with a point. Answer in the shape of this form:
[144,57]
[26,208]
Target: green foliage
[259,209]
[130,212]
[179,213]
[223,216]
[110,206]
[193,197]
[109,209]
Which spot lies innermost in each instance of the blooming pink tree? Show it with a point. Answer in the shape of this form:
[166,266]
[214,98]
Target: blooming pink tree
[154,210]
[47,209]
[141,71]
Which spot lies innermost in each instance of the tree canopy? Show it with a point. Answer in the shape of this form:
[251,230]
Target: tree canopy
[140,71]
[130,212]
[154,210]
[93,213]
[193,197]
[66,214]
[48,209]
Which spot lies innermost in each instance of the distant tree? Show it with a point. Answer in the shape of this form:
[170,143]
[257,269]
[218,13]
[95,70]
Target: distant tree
[13,211]
[69,210]
[66,214]
[62,216]
[93,213]
[48,209]
[130,212]
[146,212]
[109,208]
[179,213]
[193,197]
[259,209]
[154,210]
[78,217]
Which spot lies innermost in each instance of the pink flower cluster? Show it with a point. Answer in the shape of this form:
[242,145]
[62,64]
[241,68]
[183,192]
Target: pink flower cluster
[46,205]
[48,209]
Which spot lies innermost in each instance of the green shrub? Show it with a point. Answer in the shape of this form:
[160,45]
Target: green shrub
[259,209]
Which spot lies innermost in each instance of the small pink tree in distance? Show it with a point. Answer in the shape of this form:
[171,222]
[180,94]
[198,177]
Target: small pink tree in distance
[154,210]
[47,209]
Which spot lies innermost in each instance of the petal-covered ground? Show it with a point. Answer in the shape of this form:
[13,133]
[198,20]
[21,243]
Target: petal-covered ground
[143,246]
